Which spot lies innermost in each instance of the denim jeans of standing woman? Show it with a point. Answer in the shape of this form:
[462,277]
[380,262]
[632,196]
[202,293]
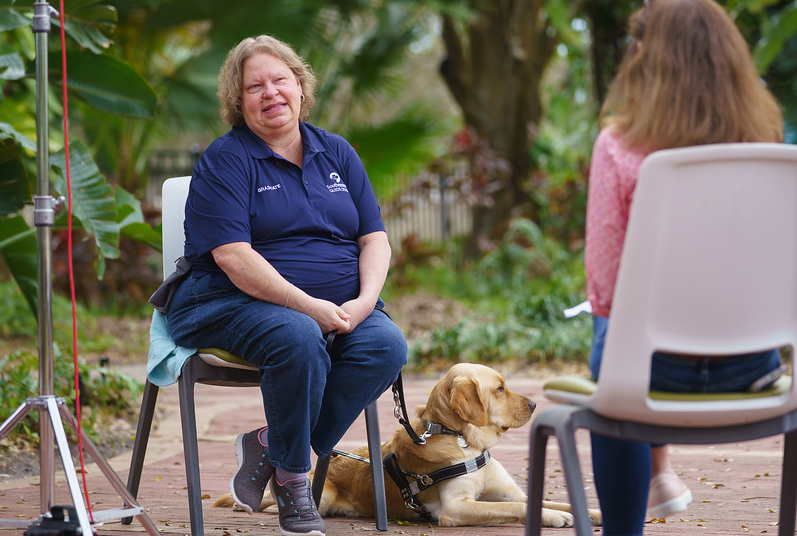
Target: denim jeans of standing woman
[622,468]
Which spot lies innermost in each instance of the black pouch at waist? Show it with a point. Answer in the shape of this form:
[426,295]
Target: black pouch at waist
[163,296]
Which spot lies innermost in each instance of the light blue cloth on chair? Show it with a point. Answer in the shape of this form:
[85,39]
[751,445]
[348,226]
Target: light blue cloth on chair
[165,360]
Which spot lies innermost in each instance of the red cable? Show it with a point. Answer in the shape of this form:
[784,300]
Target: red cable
[69,259]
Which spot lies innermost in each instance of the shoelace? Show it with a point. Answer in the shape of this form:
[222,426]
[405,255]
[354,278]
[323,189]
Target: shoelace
[259,477]
[301,498]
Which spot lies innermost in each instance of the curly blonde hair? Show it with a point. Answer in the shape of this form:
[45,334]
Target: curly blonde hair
[689,81]
[231,75]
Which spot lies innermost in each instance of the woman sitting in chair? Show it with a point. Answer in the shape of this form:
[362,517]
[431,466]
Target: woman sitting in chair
[287,245]
[687,79]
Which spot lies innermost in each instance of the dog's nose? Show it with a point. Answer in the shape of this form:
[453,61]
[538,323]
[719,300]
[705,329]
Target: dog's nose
[532,406]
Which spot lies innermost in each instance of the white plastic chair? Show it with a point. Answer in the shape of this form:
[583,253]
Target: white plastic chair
[709,266]
[213,366]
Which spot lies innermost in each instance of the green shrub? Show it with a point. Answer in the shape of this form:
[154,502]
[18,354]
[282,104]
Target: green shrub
[105,393]
[517,293]
[19,328]
[16,318]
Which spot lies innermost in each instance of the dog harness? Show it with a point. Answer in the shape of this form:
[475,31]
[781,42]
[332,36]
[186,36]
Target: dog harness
[410,490]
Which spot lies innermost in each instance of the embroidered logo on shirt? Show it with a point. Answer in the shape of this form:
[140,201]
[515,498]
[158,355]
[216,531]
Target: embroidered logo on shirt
[337,185]
[267,188]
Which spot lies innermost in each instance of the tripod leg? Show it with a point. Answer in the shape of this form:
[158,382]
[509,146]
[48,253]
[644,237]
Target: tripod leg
[69,468]
[46,456]
[109,473]
[47,491]
[14,419]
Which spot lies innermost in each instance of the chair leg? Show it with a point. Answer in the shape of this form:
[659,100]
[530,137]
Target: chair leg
[143,429]
[565,433]
[558,421]
[788,487]
[190,450]
[537,445]
[377,469]
[319,478]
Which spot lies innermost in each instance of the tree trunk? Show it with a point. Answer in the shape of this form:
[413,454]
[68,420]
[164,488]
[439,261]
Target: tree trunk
[493,69]
[608,24]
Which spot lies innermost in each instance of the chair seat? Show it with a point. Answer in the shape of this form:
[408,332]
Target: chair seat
[584,385]
[222,358]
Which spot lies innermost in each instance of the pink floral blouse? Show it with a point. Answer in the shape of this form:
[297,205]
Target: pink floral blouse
[612,179]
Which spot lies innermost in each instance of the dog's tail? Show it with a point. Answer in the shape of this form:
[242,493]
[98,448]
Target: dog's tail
[226,501]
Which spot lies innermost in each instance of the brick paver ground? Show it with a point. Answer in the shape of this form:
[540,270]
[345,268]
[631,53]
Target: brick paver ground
[736,487]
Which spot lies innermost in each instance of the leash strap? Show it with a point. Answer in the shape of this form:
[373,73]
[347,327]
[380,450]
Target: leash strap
[330,339]
[410,490]
[400,412]
[336,452]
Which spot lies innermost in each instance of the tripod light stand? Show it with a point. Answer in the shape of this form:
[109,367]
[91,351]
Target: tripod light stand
[52,409]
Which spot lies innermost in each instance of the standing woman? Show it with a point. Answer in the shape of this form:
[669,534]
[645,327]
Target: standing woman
[688,79]
[287,244]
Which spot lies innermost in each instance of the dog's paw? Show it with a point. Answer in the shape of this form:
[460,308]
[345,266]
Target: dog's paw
[556,518]
[595,516]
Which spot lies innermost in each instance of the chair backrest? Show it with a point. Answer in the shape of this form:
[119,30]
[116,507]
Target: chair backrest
[174,194]
[709,266]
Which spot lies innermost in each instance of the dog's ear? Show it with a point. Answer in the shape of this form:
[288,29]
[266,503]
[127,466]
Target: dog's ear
[467,402]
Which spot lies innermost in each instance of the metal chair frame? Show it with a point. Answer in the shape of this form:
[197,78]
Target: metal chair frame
[196,370]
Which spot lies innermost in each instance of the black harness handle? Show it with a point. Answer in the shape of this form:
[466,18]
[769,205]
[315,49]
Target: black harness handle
[400,411]
[331,339]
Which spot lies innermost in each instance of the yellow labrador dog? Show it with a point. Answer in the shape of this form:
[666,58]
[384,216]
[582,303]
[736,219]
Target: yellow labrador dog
[471,406]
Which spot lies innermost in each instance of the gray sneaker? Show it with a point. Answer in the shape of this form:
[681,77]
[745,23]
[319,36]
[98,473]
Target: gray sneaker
[254,471]
[297,512]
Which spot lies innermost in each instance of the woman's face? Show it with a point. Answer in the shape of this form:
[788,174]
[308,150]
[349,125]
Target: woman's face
[271,99]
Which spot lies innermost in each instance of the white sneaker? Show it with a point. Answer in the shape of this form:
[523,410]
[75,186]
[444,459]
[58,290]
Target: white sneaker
[668,495]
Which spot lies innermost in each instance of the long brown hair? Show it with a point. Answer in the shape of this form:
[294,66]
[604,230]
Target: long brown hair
[690,81]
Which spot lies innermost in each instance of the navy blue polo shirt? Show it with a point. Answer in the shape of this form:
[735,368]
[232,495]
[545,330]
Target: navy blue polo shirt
[304,221]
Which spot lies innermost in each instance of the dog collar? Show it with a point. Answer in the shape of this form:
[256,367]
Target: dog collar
[433,428]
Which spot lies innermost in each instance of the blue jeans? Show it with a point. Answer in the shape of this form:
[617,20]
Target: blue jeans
[622,468]
[310,396]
